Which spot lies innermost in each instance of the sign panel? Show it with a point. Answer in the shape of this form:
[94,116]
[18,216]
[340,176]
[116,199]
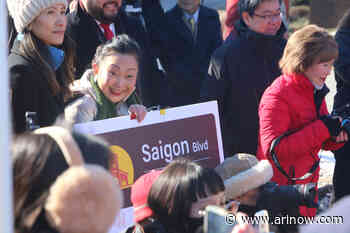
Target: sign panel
[191,131]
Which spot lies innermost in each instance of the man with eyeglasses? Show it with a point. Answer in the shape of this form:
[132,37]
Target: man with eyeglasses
[241,69]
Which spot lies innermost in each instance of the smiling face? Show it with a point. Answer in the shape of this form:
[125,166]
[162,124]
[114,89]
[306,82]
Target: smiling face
[190,6]
[317,73]
[266,18]
[116,76]
[104,11]
[50,25]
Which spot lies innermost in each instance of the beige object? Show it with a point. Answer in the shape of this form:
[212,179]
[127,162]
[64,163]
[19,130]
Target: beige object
[242,173]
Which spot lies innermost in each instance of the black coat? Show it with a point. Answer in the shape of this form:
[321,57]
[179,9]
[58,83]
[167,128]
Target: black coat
[342,97]
[31,92]
[184,60]
[84,30]
[239,72]
[342,68]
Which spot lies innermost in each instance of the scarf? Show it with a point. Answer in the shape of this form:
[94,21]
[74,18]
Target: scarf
[106,108]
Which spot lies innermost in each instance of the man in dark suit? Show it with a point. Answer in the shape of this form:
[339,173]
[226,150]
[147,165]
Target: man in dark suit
[183,40]
[240,71]
[93,22]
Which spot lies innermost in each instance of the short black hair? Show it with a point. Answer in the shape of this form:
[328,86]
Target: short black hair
[180,185]
[250,5]
[122,44]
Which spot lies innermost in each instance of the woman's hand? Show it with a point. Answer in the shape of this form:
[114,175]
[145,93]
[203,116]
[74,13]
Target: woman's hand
[342,137]
[137,111]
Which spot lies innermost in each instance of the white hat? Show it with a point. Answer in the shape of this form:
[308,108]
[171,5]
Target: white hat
[24,12]
[242,173]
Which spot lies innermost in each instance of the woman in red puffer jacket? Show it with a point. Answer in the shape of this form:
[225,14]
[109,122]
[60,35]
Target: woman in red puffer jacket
[293,109]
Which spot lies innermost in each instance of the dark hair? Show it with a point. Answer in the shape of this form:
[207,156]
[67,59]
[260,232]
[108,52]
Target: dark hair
[122,44]
[344,22]
[180,185]
[35,50]
[37,162]
[250,5]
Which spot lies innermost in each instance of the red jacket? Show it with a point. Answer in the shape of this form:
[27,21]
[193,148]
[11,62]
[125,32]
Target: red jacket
[288,104]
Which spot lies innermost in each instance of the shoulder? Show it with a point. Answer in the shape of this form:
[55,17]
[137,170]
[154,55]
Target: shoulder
[21,70]
[220,53]
[281,88]
[233,50]
[15,60]
[208,12]
[343,37]
[83,109]
[130,21]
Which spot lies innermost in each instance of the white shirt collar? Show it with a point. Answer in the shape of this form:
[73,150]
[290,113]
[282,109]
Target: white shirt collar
[317,87]
[195,15]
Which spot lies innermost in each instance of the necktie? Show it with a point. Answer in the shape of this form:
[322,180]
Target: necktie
[192,23]
[107,31]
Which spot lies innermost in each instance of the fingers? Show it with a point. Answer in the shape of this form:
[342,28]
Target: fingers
[139,110]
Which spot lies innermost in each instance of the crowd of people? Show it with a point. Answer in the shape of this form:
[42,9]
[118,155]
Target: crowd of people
[86,60]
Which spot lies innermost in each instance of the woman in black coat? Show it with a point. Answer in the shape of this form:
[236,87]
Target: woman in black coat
[40,62]
[342,97]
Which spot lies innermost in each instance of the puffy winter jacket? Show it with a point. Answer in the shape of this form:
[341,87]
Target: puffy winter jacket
[289,105]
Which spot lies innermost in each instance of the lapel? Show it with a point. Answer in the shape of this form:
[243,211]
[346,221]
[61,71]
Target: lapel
[180,27]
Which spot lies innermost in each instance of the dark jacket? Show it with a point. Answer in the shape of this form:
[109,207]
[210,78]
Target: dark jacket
[185,61]
[88,36]
[341,98]
[342,68]
[31,91]
[239,72]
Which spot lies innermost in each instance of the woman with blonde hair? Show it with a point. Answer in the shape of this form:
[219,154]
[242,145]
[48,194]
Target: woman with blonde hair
[294,121]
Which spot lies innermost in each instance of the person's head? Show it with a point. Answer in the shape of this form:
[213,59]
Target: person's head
[310,51]
[43,23]
[189,6]
[116,67]
[182,190]
[45,18]
[243,174]
[104,11]
[139,194]
[261,16]
[37,161]
[85,198]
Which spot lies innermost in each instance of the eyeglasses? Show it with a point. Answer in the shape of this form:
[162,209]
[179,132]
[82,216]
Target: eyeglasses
[269,17]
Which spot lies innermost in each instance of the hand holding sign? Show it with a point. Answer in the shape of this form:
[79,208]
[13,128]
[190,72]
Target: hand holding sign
[137,112]
[191,131]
